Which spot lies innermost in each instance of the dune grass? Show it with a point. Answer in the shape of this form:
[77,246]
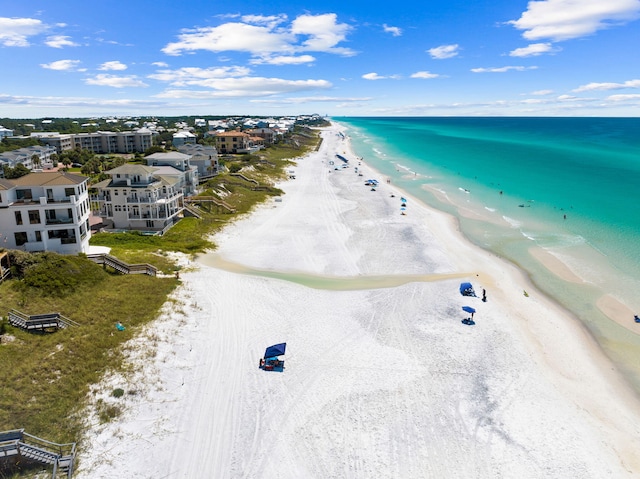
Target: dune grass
[46,377]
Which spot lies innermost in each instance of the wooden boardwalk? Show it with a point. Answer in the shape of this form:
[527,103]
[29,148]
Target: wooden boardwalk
[122,267]
[18,447]
[39,322]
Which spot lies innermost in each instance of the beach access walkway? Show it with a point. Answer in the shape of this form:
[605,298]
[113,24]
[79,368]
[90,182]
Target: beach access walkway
[18,447]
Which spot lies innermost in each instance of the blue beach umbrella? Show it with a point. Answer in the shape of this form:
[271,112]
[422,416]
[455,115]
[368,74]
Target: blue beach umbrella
[469,309]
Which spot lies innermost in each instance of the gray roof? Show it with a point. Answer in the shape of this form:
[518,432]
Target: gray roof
[129,169]
[50,178]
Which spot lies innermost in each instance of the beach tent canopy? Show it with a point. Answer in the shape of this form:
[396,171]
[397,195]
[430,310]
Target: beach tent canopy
[275,350]
[468,309]
[466,289]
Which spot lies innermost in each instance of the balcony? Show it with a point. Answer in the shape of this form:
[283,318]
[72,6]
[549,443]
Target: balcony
[58,221]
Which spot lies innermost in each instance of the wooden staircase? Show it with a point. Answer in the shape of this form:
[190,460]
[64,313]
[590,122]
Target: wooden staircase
[39,322]
[121,266]
[16,446]
[209,199]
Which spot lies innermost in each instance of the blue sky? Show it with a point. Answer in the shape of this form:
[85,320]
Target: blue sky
[337,58]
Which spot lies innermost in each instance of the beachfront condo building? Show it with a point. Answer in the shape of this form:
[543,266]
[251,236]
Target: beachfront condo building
[139,198]
[233,142]
[101,142]
[45,211]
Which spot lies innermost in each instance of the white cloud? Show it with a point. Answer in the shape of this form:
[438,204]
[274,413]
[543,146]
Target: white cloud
[444,51]
[395,31]
[14,32]
[311,99]
[60,41]
[542,92]
[608,86]
[262,36]
[623,97]
[104,79]
[323,31]
[425,75]
[375,76]
[271,21]
[61,65]
[502,69]
[193,75]
[257,40]
[114,65]
[284,60]
[559,20]
[533,50]
[160,64]
[246,87]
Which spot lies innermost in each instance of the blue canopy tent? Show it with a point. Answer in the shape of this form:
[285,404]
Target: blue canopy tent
[466,289]
[271,360]
[275,350]
[468,321]
[469,309]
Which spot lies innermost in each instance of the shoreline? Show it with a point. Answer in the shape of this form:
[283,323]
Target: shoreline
[378,381]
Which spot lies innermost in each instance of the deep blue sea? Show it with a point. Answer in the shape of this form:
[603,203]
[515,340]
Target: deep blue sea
[567,186]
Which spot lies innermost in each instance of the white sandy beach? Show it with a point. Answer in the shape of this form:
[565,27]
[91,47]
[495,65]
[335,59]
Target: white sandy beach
[382,379]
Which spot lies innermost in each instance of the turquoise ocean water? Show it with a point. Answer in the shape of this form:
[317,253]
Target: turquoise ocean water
[512,181]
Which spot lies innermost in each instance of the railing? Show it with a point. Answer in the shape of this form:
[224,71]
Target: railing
[17,443]
[210,199]
[58,221]
[251,180]
[39,322]
[121,266]
[4,274]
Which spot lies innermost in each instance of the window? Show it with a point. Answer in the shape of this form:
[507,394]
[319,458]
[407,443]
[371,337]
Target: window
[21,238]
[34,217]
[69,191]
[38,236]
[24,195]
[18,217]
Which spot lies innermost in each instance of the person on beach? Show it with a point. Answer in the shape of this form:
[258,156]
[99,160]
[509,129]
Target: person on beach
[484,296]
[636,318]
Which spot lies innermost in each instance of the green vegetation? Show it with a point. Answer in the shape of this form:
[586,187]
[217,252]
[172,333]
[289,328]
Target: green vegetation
[46,378]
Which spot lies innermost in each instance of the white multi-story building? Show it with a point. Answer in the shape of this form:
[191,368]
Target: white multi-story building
[183,138]
[27,157]
[138,198]
[203,157]
[177,165]
[102,141]
[47,211]
[5,132]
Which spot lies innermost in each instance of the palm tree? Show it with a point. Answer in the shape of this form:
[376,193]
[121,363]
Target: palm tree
[35,160]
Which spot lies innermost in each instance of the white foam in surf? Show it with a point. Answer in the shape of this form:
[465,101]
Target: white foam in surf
[512,222]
